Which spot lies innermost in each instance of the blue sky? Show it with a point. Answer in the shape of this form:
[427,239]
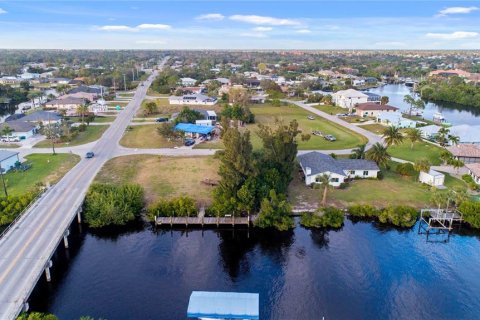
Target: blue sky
[251,24]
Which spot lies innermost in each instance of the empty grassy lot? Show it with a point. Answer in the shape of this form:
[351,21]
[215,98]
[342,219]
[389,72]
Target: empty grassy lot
[392,190]
[165,109]
[92,133]
[46,168]
[163,177]
[98,119]
[375,128]
[420,150]
[266,114]
[146,136]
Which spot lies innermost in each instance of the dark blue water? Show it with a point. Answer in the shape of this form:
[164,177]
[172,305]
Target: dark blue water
[362,271]
[454,113]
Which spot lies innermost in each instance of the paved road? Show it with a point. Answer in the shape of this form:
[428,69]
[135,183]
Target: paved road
[26,249]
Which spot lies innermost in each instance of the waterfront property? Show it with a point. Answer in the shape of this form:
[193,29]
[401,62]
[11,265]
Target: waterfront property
[467,153]
[474,171]
[466,133]
[371,109]
[349,98]
[395,119]
[315,164]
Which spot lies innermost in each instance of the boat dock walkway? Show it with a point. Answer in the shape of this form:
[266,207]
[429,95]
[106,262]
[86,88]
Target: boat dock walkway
[201,220]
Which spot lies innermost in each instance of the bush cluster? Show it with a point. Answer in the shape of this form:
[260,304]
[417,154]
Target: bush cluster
[406,169]
[471,213]
[11,207]
[178,207]
[400,216]
[108,204]
[470,182]
[329,218]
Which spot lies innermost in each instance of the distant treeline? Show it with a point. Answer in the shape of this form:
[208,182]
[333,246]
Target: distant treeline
[451,90]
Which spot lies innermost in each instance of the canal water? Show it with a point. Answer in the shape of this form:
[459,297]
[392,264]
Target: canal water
[362,271]
[454,113]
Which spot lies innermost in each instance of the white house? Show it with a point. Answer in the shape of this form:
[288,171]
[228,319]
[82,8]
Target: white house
[8,160]
[68,103]
[21,129]
[187,82]
[98,107]
[474,171]
[193,99]
[429,132]
[315,164]
[432,178]
[372,109]
[395,119]
[349,98]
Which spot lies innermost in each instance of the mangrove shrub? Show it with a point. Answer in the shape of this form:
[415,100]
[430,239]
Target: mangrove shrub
[328,218]
[471,213]
[178,207]
[275,211]
[401,216]
[108,204]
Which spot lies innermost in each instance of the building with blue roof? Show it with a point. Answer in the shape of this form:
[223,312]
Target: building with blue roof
[224,305]
[194,129]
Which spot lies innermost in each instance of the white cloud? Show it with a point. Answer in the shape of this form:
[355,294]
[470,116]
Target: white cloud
[211,17]
[144,26]
[262,29]
[253,35]
[149,26]
[153,41]
[270,21]
[452,36]
[2,11]
[116,28]
[304,31]
[456,10]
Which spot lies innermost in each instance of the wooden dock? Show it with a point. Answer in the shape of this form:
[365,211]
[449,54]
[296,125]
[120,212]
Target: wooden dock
[440,219]
[204,221]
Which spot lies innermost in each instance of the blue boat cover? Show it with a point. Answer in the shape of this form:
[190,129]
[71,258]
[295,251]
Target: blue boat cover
[223,305]
[193,128]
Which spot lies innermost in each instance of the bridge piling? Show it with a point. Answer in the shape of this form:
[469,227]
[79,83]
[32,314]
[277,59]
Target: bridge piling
[47,271]
[79,216]
[65,238]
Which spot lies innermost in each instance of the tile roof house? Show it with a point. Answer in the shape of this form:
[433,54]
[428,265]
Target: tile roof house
[371,109]
[315,164]
[474,171]
[468,153]
[67,103]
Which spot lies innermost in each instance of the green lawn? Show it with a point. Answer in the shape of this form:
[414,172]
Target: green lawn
[266,114]
[158,175]
[375,128]
[392,190]
[146,136]
[45,168]
[152,93]
[9,145]
[420,150]
[114,104]
[98,119]
[92,133]
[331,109]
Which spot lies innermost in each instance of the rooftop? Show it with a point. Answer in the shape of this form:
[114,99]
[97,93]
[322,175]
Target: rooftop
[375,106]
[18,125]
[42,116]
[223,305]
[194,128]
[465,150]
[474,168]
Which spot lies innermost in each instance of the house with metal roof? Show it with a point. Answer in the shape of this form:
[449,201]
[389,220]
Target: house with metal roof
[315,164]
[194,130]
[224,305]
[192,99]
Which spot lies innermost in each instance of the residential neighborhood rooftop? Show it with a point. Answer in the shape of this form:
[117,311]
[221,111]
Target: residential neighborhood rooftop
[375,106]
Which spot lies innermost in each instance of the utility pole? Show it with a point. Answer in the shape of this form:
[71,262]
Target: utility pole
[124,82]
[114,87]
[133,74]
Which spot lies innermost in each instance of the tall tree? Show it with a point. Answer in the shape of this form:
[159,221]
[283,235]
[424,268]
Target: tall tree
[384,100]
[379,154]
[392,136]
[359,152]
[414,135]
[324,181]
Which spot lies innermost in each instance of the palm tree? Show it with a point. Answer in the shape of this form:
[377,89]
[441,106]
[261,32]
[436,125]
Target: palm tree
[408,99]
[384,100]
[414,135]
[359,152]
[378,153]
[445,156]
[7,131]
[421,165]
[324,180]
[457,164]
[442,135]
[82,110]
[454,139]
[392,136]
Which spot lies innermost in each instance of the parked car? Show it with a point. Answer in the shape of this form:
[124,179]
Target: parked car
[189,142]
[89,155]
[311,118]
[329,137]
[161,120]
[342,114]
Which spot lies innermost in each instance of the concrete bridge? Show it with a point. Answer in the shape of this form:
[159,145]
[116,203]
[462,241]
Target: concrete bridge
[27,248]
